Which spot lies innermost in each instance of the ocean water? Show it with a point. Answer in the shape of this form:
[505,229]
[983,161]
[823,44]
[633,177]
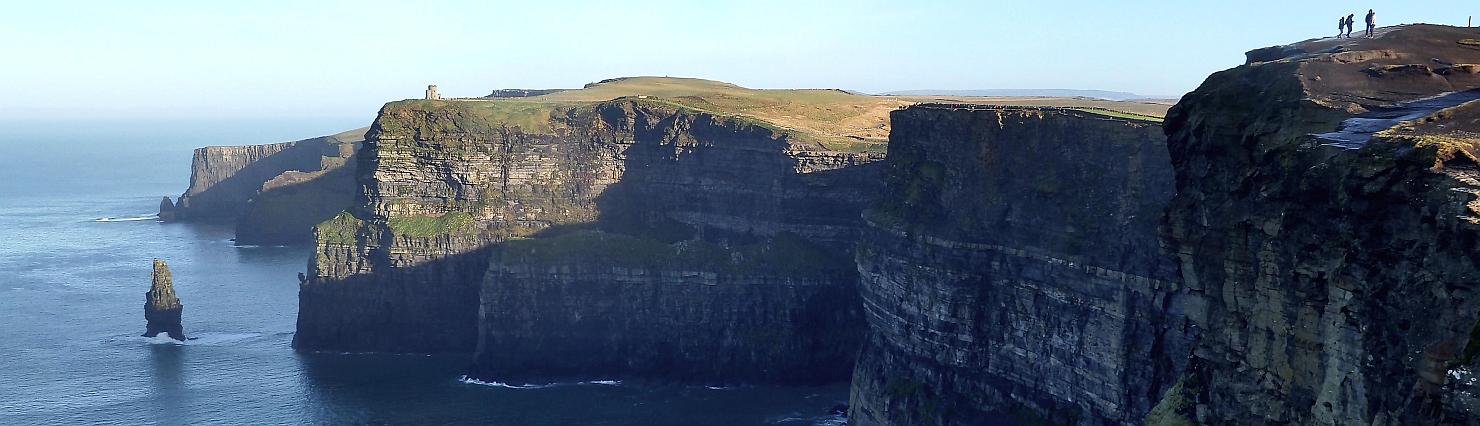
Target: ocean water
[77,234]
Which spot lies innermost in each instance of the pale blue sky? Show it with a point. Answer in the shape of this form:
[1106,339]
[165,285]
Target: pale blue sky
[344,59]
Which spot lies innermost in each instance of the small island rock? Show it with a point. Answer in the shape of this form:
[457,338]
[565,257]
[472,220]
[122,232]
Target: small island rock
[161,308]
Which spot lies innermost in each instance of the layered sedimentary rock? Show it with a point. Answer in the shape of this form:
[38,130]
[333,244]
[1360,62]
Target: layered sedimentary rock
[1012,271]
[275,192]
[162,309]
[1326,227]
[592,305]
[446,182]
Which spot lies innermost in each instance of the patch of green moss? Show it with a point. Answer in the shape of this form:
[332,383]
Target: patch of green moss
[1472,348]
[915,187]
[912,392]
[343,228]
[1174,407]
[429,226]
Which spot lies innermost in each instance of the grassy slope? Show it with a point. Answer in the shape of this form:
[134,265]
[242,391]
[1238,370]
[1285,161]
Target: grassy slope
[821,118]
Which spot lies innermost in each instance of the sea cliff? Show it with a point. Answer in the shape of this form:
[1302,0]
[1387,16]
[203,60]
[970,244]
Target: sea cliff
[1325,225]
[472,235]
[274,193]
[1012,272]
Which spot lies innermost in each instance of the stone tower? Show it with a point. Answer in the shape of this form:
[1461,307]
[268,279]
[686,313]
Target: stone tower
[432,92]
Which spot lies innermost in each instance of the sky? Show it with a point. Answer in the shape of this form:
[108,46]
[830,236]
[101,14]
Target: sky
[164,58]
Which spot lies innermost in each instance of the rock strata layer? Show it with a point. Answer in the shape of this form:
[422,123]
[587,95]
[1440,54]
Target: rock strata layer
[162,309]
[1012,271]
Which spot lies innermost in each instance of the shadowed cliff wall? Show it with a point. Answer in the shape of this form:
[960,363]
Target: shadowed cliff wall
[1012,271]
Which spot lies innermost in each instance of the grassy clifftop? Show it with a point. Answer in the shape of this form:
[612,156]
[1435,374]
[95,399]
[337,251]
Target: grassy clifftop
[826,119]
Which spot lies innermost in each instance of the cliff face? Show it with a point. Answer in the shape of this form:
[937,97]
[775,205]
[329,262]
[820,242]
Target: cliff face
[1325,224]
[591,305]
[162,309]
[446,181]
[1012,271]
[275,192]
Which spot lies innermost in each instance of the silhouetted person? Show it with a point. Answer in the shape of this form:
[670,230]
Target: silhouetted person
[1340,26]
[1371,24]
[1350,19]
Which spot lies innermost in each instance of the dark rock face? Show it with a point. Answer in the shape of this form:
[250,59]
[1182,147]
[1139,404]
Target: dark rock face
[167,209]
[592,305]
[1335,280]
[275,192]
[1013,273]
[161,308]
[445,185]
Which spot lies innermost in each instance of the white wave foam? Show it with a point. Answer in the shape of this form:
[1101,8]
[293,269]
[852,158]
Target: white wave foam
[828,420]
[202,339]
[134,218]
[163,339]
[473,381]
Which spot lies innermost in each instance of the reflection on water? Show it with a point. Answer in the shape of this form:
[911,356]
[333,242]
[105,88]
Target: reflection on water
[168,375]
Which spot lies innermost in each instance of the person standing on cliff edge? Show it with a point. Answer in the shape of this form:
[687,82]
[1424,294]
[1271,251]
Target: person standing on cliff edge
[1371,24]
[1340,26]
[1350,19]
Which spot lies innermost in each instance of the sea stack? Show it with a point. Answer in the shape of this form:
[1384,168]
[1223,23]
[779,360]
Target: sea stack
[166,209]
[161,308]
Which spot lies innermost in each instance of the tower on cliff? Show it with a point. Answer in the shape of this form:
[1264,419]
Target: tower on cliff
[432,92]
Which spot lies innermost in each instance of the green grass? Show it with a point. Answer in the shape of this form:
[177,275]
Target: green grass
[1174,406]
[1120,114]
[343,228]
[429,226]
[813,119]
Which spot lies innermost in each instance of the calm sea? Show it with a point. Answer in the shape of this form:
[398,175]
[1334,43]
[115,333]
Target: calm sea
[77,232]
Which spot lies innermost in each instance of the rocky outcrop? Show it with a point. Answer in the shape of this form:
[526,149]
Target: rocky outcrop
[274,192]
[161,308]
[1326,228]
[1012,271]
[447,182]
[167,209]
